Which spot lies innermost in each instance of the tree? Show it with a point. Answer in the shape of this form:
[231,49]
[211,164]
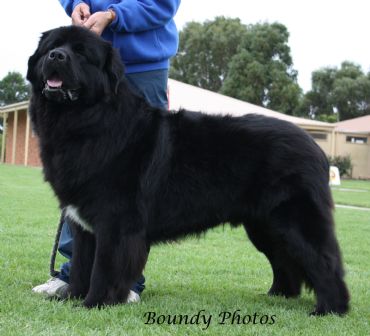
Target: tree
[338,94]
[251,63]
[262,72]
[13,88]
[205,51]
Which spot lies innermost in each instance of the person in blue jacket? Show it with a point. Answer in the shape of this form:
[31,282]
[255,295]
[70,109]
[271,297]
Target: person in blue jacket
[146,37]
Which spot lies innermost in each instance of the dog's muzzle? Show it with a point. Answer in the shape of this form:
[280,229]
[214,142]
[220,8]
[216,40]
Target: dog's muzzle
[60,95]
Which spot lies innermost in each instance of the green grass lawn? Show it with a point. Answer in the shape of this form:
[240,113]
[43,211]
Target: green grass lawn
[352,192]
[220,272]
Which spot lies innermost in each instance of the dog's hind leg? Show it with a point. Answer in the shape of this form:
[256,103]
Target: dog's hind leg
[323,271]
[287,277]
[307,234]
[119,261]
[82,262]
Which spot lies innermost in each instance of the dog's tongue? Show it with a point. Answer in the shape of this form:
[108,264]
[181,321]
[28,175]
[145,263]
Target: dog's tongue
[54,83]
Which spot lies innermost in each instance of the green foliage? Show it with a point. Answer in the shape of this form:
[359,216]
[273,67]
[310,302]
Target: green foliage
[343,93]
[251,63]
[262,72]
[344,164]
[13,88]
[329,118]
[205,51]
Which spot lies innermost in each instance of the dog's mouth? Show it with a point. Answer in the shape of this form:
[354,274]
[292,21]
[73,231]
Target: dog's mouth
[55,90]
[54,83]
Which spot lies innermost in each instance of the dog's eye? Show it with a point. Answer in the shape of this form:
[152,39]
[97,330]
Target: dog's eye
[55,44]
[79,48]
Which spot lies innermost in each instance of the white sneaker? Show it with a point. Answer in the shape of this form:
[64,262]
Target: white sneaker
[51,287]
[133,297]
[55,286]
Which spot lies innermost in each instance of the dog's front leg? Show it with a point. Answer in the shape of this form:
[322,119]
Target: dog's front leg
[120,258]
[82,261]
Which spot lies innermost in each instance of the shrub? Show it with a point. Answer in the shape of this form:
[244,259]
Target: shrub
[344,164]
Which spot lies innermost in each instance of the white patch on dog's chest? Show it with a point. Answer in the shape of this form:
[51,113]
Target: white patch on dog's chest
[72,212]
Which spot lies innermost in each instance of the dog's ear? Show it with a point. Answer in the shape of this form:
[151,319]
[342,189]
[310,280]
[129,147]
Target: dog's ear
[33,70]
[114,68]
[31,65]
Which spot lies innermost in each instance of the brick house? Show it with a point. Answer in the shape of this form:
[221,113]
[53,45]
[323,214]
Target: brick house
[20,144]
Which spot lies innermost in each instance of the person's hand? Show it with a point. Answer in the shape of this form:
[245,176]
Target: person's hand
[80,14]
[98,21]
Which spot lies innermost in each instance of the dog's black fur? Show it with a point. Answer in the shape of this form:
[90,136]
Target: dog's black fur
[139,175]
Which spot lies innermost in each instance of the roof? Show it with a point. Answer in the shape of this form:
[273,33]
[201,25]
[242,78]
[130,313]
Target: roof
[12,107]
[356,125]
[196,99]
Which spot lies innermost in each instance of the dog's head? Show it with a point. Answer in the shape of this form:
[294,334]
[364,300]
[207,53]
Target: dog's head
[72,64]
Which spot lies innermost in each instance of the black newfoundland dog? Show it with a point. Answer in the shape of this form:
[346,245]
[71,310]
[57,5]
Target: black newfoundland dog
[131,175]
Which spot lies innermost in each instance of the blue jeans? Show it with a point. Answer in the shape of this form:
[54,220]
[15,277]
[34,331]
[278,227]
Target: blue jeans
[152,85]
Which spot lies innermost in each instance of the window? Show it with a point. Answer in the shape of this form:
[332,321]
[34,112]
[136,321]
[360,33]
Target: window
[319,135]
[356,139]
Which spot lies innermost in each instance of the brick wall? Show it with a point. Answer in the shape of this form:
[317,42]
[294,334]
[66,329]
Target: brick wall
[9,138]
[33,151]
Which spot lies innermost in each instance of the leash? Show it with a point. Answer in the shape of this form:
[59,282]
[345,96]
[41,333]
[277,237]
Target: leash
[53,272]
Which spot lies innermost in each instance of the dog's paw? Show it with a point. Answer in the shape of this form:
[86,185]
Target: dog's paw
[320,311]
[94,303]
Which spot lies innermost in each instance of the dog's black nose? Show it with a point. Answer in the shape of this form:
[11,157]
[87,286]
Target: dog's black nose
[57,55]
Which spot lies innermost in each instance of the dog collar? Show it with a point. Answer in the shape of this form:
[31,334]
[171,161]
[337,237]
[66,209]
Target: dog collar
[61,95]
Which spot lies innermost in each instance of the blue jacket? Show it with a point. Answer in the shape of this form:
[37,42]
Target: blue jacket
[144,31]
